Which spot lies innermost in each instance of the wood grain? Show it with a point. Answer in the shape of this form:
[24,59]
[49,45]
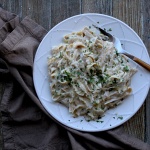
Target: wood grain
[39,13]
[130,11]
[135,13]
[97,6]
[146,39]
[63,9]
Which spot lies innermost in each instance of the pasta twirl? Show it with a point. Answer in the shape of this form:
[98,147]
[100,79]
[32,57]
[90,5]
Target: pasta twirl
[88,75]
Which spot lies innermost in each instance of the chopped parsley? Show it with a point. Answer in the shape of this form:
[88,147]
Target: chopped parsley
[109,29]
[91,80]
[117,53]
[100,121]
[120,117]
[126,68]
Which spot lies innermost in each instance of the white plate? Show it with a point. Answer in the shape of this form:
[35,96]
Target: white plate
[140,81]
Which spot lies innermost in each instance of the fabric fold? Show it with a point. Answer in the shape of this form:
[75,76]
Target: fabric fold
[8,21]
[26,124]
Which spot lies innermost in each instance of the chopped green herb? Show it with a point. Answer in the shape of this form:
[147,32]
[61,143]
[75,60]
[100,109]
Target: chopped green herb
[120,117]
[78,73]
[104,29]
[67,76]
[126,68]
[109,29]
[100,77]
[91,80]
[100,121]
[122,61]
[60,56]
[117,53]
[94,102]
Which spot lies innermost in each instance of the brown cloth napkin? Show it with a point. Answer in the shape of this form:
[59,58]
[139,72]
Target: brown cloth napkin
[25,123]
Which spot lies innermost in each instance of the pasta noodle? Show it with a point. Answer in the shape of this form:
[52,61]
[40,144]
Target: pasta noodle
[87,74]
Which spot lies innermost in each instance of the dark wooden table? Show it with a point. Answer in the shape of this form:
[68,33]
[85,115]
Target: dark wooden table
[135,13]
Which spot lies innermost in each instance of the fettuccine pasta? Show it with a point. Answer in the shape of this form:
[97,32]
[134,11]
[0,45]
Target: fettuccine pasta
[88,75]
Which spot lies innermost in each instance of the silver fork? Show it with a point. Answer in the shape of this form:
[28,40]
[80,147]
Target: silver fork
[119,48]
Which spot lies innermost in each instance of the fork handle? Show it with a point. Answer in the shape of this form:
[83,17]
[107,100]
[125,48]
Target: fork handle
[142,63]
